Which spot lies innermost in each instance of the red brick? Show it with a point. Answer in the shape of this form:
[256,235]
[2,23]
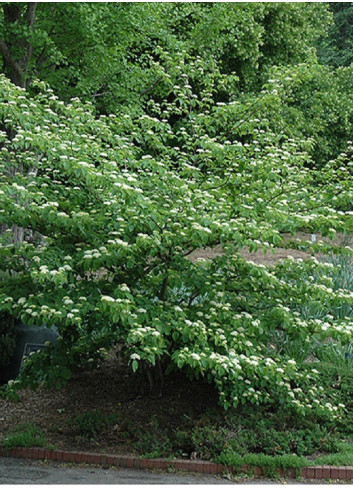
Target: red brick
[136,463]
[78,457]
[310,472]
[120,461]
[220,468]
[213,468]
[128,462]
[26,452]
[143,463]
[20,452]
[342,473]
[112,460]
[149,463]
[72,457]
[57,455]
[199,466]
[326,471]
[39,453]
[66,457]
[181,464]
[47,454]
[159,463]
[334,473]
[103,460]
[304,472]
[30,452]
[349,472]
[318,472]
[91,458]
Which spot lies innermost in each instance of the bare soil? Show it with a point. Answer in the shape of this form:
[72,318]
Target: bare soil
[110,388]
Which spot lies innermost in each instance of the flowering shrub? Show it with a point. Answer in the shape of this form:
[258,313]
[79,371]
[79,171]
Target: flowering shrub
[109,229]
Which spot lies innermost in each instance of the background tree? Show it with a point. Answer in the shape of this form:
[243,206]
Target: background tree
[337,48]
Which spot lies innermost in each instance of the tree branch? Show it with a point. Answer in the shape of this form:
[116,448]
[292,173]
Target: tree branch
[163,289]
[151,87]
[31,13]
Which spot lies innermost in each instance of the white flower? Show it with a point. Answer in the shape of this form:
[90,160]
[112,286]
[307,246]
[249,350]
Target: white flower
[135,356]
[107,298]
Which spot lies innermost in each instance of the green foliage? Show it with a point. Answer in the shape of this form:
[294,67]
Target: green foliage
[269,465]
[24,435]
[337,49]
[255,432]
[110,229]
[9,391]
[92,423]
[152,441]
[344,457]
[103,52]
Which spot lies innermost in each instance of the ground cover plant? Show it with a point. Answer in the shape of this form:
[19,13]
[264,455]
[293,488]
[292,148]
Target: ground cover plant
[103,204]
[24,435]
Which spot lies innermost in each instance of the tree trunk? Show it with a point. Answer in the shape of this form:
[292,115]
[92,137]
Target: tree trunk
[17,69]
[155,379]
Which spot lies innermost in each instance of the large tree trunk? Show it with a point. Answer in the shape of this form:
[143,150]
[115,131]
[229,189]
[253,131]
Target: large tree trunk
[16,67]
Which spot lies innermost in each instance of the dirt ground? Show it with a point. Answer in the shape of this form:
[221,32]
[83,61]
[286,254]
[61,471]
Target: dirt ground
[270,258]
[110,388]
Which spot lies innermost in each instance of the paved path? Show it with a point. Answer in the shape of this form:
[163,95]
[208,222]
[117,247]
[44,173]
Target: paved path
[18,471]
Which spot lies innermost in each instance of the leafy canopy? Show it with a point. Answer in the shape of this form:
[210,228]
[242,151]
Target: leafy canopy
[113,207]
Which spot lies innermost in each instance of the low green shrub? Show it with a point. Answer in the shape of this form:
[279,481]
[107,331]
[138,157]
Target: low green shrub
[343,457]
[270,465]
[257,432]
[24,435]
[152,441]
[92,423]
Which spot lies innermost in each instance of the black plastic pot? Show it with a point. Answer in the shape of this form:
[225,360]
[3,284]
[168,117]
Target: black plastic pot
[28,339]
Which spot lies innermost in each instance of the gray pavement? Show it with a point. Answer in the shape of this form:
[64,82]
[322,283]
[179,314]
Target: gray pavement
[19,471]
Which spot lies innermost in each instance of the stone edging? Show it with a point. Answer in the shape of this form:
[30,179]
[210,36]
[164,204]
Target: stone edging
[204,467]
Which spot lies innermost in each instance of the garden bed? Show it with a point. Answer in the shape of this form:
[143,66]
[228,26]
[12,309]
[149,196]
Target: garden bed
[108,410]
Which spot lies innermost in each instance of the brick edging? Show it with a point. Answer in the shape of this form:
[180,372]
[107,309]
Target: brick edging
[133,462]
